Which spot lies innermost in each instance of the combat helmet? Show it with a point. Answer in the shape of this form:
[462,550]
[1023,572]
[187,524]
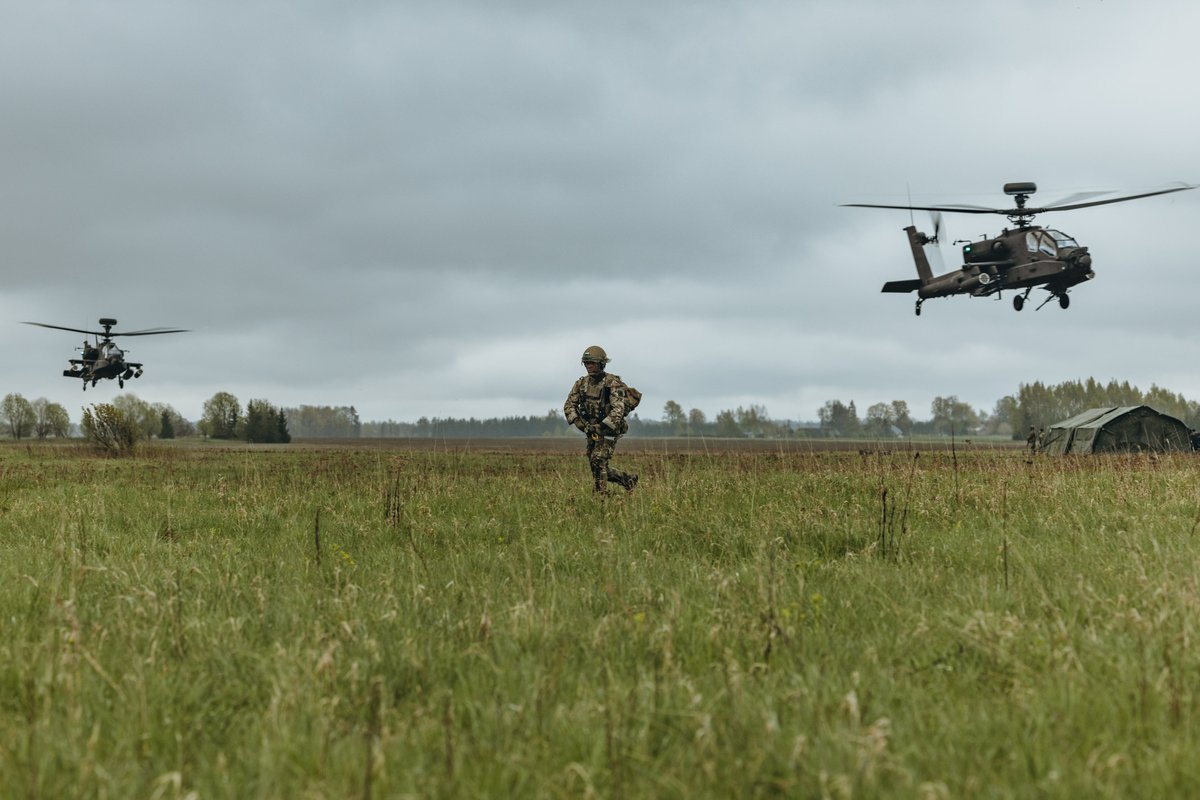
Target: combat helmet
[596,355]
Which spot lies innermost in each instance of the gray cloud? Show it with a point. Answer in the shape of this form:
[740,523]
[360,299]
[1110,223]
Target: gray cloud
[430,208]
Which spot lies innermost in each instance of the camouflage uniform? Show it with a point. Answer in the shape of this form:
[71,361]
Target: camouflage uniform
[596,405]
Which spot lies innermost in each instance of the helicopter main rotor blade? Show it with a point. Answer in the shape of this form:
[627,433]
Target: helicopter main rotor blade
[1122,199]
[1074,198]
[1065,204]
[954,209]
[149,332]
[110,334]
[62,328]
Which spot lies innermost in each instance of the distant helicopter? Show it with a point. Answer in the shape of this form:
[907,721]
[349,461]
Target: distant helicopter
[103,359]
[1023,258]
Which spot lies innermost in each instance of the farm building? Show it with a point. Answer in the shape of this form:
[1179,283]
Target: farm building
[1127,429]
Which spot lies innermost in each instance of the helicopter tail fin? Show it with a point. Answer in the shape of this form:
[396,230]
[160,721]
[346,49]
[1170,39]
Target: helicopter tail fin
[917,242]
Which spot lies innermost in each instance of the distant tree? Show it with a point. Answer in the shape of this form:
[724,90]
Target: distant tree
[880,419]
[50,419]
[166,426]
[222,413]
[1001,422]
[40,428]
[853,424]
[259,422]
[180,426]
[1036,407]
[900,416]
[140,413]
[674,417]
[754,421]
[281,427]
[726,424]
[325,421]
[838,419]
[697,420]
[264,423]
[952,416]
[18,415]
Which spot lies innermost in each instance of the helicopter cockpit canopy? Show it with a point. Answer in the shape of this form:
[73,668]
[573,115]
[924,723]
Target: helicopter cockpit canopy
[110,351]
[1048,241]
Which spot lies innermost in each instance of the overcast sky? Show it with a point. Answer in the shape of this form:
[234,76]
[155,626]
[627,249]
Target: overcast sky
[431,209]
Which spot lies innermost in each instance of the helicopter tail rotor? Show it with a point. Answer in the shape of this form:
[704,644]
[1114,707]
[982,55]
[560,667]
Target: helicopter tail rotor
[937,221]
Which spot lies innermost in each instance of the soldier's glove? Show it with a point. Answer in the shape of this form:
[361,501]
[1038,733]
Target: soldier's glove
[593,433]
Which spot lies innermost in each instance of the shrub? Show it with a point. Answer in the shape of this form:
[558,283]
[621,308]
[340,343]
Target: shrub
[110,429]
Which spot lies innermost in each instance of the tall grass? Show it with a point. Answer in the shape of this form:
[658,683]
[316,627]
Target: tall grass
[246,623]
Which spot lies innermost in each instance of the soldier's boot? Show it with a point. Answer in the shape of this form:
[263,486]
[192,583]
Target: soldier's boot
[626,479]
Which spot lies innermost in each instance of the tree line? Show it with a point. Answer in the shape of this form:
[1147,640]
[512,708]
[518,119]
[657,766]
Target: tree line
[223,418]
[1034,404]
[22,418]
[1038,405]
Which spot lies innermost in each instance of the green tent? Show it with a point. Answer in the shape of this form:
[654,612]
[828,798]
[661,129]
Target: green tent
[1128,429]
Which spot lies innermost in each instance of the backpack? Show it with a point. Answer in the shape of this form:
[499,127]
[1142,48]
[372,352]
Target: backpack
[632,398]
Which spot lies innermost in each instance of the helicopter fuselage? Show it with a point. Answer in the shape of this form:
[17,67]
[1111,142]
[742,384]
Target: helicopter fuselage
[1019,259]
[105,365]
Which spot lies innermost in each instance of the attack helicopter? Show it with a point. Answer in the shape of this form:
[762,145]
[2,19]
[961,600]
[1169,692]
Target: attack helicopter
[101,358]
[1022,258]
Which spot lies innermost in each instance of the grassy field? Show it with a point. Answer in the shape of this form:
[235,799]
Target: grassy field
[330,622]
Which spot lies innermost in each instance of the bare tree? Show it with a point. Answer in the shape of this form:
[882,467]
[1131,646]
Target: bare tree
[17,413]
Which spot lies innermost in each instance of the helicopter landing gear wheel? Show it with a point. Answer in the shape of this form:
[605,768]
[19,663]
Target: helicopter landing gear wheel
[1018,303]
[917,311]
[1064,302]
[121,383]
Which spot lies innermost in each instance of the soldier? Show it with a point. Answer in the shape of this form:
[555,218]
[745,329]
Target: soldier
[1032,439]
[596,405]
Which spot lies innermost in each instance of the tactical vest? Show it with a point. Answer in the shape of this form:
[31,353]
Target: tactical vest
[594,398]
